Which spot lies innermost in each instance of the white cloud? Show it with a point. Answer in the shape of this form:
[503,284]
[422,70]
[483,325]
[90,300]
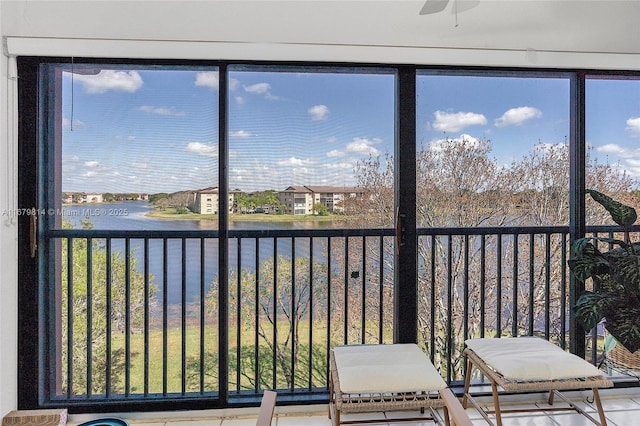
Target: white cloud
[335,153]
[92,163]
[207,150]
[240,134]
[612,148]
[258,88]
[318,112]
[239,100]
[517,116]
[363,146]
[340,166]
[629,157]
[210,79]
[161,110]
[261,89]
[293,161]
[454,122]
[106,80]
[633,126]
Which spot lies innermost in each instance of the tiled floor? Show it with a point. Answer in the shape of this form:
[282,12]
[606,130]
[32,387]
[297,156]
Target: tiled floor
[622,408]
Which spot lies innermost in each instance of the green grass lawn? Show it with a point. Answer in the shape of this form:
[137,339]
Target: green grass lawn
[170,214]
[174,357]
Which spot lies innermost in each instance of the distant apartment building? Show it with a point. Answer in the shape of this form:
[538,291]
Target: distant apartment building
[82,197]
[299,200]
[205,201]
[100,197]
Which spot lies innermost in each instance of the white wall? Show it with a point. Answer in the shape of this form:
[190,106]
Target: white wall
[8,237]
[558,33]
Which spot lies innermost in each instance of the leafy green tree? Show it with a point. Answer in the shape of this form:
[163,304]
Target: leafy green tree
[90,305]
[280,296]
[320,209]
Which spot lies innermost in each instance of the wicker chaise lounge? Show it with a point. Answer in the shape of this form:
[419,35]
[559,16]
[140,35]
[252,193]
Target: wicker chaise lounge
[379,378]
[531,364]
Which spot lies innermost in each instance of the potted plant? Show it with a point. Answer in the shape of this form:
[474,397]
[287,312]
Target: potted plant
[615,274]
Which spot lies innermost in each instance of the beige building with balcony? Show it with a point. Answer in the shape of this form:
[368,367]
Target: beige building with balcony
[205,201]
[299,200]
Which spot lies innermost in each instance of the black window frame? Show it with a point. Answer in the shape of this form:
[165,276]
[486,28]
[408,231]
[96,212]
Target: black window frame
[32,315]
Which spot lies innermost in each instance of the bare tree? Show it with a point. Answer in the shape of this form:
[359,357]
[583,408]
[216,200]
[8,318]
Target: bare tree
[472,285]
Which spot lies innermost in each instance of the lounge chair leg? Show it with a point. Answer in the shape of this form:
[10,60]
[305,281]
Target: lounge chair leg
[467,383]
[596,398]
[496,403]
[446,416]
[552,393]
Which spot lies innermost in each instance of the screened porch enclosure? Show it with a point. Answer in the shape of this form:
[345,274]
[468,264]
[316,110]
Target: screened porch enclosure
[199,232]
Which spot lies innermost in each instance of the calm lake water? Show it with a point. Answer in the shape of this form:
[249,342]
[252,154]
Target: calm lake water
[197,266]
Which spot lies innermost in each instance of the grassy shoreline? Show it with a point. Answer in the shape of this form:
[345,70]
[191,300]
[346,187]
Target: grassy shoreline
[170,214]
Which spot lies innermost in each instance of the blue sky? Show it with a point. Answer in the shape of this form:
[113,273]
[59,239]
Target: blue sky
[137,130]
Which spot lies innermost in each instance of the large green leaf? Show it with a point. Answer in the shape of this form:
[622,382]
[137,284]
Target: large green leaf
[624,324]
[586,260]
[626,271]
[621,214]
[590,309]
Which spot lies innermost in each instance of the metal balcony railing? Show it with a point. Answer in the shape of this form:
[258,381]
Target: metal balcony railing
[136,313]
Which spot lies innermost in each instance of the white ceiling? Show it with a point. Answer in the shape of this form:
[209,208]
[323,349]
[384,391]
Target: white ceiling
[533,26]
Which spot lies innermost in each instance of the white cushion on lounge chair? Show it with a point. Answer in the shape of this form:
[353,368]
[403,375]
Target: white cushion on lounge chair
[385,369]
[530,359]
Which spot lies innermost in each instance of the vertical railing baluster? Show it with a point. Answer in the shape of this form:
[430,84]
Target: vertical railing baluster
[203,300]
[89,318]
[465,328]
[183,322]
[165,318]
[238,309]
[311,316]
[294,313]
[363,315]
[108,308]
[70,315]
[275,313]
[483,283]
[547,286]
[329,300]
[532,266]
[514,284]
[433,290]
[146,313]
[563,291]
[449,337]
[499,286]
[346,290]
[127,317]
[256,343]
[381,289]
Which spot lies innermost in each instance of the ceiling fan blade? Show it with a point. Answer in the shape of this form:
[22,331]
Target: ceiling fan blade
[433,6]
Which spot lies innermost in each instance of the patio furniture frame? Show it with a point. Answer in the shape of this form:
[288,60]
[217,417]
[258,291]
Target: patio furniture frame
[552,386]
[342,402]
